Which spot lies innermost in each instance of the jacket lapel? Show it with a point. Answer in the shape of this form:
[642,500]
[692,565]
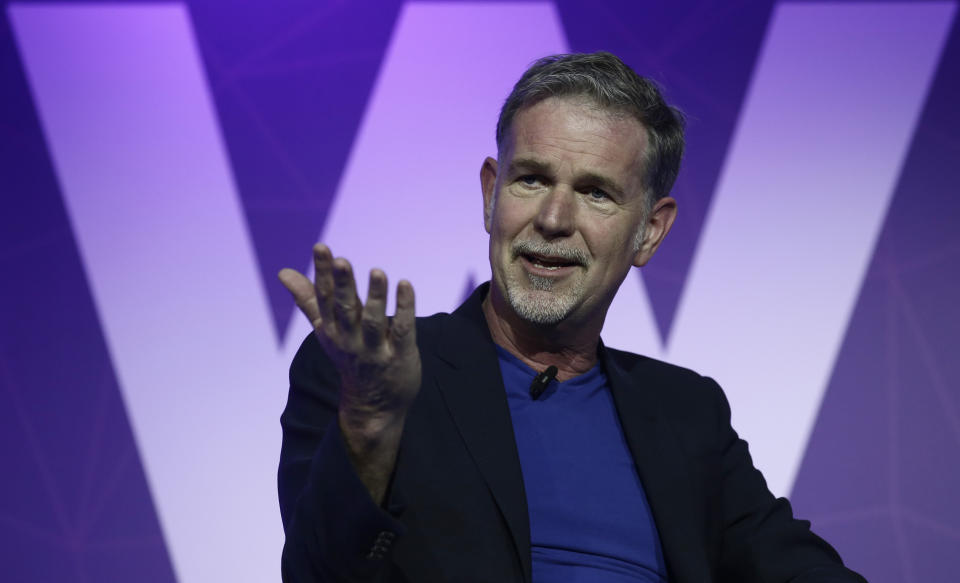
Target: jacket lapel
[470,382]
[471,385]
[662,466]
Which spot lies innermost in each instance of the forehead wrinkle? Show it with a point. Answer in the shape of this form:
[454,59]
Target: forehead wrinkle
[566,135]
[557,146]
[589,112]
[583,174]
[622,130]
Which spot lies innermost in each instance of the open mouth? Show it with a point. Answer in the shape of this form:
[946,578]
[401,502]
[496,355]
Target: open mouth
[549,263]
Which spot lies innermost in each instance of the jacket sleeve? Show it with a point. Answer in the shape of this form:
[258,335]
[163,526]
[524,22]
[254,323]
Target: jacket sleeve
[334,530]
[762,541]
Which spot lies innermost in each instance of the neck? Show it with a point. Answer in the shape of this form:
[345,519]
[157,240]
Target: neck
[569,346]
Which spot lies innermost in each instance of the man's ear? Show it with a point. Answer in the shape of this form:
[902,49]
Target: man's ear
[488,183]
[658,224]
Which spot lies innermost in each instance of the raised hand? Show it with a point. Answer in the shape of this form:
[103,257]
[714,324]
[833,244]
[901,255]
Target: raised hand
[376,356]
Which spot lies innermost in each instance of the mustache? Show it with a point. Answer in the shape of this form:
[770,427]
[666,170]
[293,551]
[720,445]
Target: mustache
[571,254]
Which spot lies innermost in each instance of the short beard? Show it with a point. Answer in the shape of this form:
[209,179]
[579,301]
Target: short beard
[539,303]
[540,306]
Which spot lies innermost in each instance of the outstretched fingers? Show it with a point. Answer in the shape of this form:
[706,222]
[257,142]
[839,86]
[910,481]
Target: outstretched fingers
[403,330]
[323,282]
[337,315]
[346,304]
[373,320]
[303,294]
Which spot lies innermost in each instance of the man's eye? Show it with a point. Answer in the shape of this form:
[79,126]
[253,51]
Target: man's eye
[597,194]
[530,180]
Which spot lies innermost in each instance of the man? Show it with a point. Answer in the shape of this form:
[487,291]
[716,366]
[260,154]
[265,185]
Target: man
[504,442]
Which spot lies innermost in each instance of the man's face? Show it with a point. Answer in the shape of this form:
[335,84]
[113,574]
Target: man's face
[565,209]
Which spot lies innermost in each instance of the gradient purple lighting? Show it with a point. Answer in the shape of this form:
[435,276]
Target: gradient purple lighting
[150,193]
[162,160]
[129,121]
[410,200]
[805,188]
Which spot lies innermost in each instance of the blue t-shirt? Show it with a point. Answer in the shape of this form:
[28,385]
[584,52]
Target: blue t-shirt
[589,516]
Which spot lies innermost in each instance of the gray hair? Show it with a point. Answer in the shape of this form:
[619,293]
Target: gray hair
[611,84]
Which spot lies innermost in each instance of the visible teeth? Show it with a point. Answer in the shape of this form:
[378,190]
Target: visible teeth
[538,264]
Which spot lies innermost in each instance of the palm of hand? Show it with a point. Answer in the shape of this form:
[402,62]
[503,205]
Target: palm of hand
[376,356]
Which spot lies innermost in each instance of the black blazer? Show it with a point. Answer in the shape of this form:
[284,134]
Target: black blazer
[456,509]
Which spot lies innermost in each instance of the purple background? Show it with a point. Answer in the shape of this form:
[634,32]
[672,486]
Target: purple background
[882,466]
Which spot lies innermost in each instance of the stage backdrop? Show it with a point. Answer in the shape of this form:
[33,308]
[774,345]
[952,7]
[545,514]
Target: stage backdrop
[161,161]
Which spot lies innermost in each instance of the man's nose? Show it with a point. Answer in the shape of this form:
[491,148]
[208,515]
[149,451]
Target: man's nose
[556,216]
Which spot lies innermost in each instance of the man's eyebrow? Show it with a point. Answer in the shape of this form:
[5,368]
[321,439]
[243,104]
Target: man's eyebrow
[529,165]
[601,182]
[532,165]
